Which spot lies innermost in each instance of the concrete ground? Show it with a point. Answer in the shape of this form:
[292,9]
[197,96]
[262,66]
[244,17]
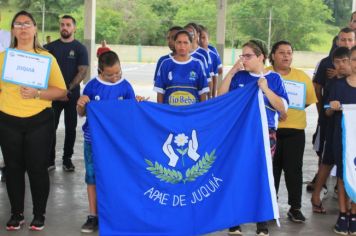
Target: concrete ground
[68,207]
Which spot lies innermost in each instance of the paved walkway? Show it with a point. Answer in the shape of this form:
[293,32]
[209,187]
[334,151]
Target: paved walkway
[67,204]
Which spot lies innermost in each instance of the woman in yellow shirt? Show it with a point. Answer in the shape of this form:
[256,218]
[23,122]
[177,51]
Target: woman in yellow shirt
[27,128]
[290,132]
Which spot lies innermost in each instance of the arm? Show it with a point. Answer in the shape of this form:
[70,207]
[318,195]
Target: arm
[80,76]
[81,104]
[160,97]
[227,80]
[51,93]
[203,97]
[275,100]
[319,104]
[334,106]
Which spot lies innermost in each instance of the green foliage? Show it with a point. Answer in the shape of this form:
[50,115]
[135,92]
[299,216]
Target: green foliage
[307,24]
[109,25]
[297,21]
[341,10]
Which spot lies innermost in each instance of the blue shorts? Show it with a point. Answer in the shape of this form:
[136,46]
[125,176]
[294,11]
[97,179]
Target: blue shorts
[89,164]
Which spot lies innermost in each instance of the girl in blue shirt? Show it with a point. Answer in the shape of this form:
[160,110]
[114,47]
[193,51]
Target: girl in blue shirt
[250,69]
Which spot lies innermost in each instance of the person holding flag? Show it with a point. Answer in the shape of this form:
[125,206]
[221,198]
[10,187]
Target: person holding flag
[343,92]
[250,69]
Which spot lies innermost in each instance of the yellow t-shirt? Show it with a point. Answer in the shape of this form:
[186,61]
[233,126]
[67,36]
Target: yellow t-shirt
[297,118]
[11,101]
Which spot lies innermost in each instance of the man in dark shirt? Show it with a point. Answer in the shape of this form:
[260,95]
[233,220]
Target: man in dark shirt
[72,58]
[322,83]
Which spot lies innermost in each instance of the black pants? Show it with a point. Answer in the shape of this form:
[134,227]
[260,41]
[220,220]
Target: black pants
[26,144]
[289,158]
[70,123]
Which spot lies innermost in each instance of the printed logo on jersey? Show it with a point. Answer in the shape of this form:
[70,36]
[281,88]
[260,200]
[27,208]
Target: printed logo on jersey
[71,54]
[97,98]
[120,98]
[181,98]
[192,76]
[170,76]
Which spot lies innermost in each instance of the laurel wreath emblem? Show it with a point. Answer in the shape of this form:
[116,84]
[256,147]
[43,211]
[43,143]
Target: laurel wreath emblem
[172,176]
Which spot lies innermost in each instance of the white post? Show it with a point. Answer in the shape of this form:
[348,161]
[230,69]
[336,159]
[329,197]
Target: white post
[220,29]
[89,34]
[269,28]
[43,21]
[353,5]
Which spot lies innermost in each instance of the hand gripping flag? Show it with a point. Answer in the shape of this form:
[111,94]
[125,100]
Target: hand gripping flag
[190,170]
[349,149]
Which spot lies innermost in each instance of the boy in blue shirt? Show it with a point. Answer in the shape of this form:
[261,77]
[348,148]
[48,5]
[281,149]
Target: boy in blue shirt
[109,85]
[343,91]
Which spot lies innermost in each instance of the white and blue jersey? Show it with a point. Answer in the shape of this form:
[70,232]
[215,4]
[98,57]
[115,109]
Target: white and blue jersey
[275,83]
[204,62]
[98,90]
[216,62]
[205,53]
[182,83]
[212,48]
[159,62]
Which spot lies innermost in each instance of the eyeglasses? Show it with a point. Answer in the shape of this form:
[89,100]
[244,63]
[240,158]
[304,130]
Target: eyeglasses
[25,25]
[247,56]
[108,77]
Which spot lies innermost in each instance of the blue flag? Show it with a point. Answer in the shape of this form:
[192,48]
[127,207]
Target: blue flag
[190,170]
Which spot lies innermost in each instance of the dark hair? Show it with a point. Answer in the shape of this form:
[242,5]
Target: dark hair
[14,43]
[258,47]
[353,13]
[107,59]
[352,50]
[183,32]
[69,17]
[203,29]
[275,47]
[193,25]
[346,30]
[175,28]
[340,52]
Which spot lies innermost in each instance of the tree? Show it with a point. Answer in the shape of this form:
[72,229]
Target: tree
[341,11]
[300,21]
[202,12]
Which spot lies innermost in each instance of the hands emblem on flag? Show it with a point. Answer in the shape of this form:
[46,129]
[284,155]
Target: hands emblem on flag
[181,140]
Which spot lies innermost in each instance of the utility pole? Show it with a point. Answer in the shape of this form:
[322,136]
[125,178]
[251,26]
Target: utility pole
[89,33]
[43,21]
[269,28]
[220,30]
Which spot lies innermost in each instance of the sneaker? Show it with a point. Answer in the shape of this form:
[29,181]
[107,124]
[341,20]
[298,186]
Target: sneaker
[68,166]
[236,230]
[262,229]
[342,225]
[51,167]
[90,225]
[352,225]
[15,222]
[296,215]
[37,223]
